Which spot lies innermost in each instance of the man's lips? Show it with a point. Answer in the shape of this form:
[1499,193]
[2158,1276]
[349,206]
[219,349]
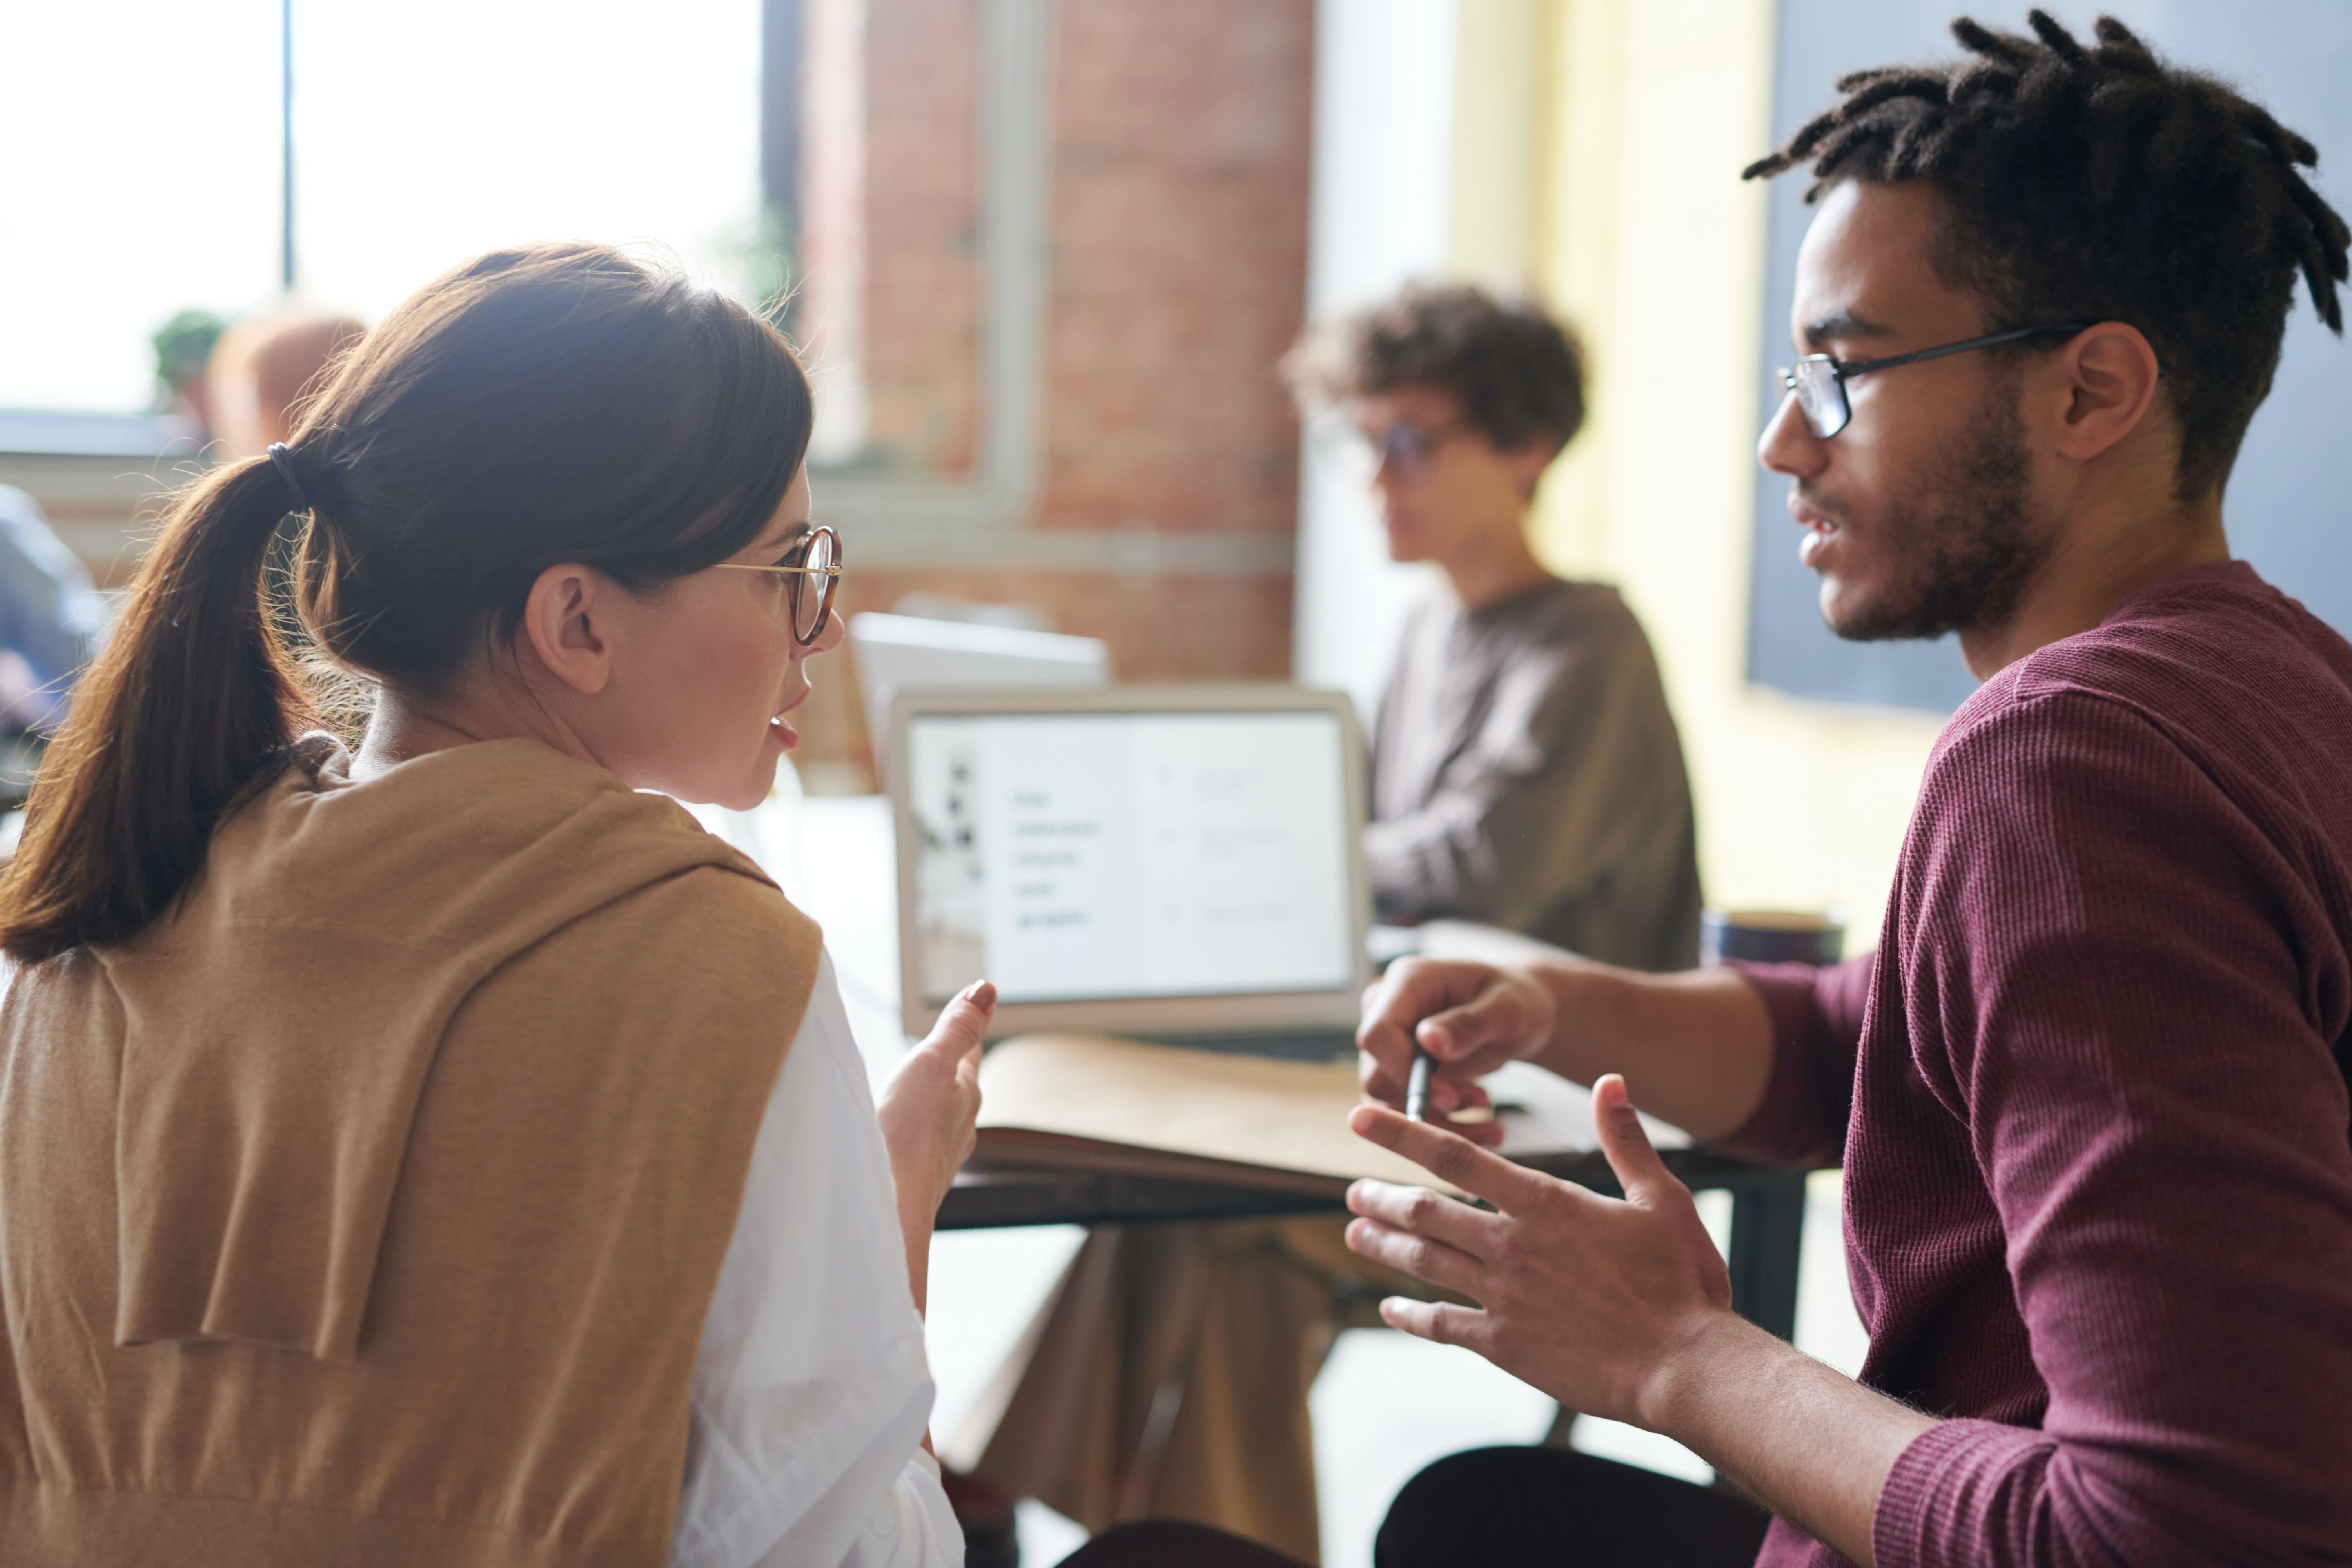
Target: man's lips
[1821,530]
[1810,516]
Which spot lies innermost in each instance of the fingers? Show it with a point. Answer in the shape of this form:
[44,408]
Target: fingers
[1432,1261]
[963,1023]
[1414,989]
[1439,1320]
[1474,997]
[1386,1050]
[1494,1016]
[1478,1112]
[1452,1159]
[1448,1097]
[1417,1211]
[1639,1170]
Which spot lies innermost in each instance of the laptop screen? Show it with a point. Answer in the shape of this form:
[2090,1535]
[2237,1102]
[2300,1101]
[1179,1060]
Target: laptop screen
[1083,856]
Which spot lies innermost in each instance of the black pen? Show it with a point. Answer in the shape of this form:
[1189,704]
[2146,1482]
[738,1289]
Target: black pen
[1416,1089]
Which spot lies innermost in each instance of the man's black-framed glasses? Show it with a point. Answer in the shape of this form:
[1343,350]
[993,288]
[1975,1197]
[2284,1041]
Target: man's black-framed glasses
[1817,380]
[811,571]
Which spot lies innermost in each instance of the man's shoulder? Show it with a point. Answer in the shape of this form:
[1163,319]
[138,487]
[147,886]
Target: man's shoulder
[2217,696]
[1579,598]
[1566,613]
[2213,657]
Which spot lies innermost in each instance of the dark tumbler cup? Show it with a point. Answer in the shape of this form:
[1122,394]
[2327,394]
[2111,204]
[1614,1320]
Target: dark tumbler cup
[1770,936]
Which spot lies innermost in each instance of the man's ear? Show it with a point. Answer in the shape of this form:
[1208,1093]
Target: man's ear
[2111,380]
[564,622]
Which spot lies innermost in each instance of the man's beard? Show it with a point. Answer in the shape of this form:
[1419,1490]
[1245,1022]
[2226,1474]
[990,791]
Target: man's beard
[1965,544]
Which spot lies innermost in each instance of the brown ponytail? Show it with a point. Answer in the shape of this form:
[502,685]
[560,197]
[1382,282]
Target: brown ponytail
[191,697]
[557,403]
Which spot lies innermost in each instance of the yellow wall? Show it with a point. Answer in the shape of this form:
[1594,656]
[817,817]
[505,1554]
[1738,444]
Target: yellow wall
[1597,151]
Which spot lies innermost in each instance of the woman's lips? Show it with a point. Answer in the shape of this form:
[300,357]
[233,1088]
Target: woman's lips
[779,729]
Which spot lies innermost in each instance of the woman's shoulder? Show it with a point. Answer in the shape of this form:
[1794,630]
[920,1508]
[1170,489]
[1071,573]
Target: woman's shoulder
[716,911]
[469,857]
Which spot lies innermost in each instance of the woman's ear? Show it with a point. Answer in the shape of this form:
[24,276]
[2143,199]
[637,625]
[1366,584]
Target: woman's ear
[565,624]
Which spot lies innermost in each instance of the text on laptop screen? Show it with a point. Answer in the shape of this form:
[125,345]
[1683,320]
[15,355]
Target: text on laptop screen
[1083,856]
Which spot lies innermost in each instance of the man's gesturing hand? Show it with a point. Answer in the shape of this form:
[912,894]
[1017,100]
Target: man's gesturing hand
[1589,1299]
[1471,1017]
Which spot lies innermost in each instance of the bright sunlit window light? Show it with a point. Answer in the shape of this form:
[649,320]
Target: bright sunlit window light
[144,170]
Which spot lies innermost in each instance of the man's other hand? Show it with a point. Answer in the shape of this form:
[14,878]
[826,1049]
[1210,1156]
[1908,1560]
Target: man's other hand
[1470,1018]
[1592,1300]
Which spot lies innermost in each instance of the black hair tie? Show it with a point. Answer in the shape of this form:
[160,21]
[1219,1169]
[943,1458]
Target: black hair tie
[284,461]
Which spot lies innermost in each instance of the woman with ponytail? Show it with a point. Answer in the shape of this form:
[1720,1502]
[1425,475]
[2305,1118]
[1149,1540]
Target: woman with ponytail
[445,1151]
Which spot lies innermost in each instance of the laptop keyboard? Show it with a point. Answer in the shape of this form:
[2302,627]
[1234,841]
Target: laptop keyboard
[1300,1045]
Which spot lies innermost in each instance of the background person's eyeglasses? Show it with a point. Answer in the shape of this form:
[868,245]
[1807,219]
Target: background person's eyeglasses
[1817,380]
[811,571]
[1404,450]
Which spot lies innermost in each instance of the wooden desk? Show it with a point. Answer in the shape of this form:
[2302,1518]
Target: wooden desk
[836,858]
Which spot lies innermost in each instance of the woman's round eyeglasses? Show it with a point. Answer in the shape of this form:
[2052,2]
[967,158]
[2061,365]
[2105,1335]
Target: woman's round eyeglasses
[1817,380]
[811,571]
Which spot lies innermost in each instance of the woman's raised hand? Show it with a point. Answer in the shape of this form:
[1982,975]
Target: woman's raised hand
[929,1107]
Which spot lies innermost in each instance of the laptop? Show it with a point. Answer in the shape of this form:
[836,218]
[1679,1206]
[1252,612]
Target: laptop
[1180,864]
[903,653]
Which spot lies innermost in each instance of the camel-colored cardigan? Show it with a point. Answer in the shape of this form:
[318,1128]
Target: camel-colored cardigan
[367,1210]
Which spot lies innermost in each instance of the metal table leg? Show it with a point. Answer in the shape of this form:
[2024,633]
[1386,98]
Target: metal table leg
[1768,1229]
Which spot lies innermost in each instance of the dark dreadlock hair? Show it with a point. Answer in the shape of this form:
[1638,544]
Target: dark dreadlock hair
[2101,183]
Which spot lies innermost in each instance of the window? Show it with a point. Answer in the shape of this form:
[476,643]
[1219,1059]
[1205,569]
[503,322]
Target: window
[145,175]
[141,177]
[897,148]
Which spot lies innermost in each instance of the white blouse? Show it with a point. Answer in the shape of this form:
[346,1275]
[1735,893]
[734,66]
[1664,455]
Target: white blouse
[811,1390]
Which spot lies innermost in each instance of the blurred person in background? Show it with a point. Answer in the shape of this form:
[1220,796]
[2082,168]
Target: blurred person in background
[51,617]
[261,368]
[1526,773]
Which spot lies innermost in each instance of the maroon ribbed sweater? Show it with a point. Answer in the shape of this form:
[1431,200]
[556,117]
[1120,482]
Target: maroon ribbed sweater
[2090,1097]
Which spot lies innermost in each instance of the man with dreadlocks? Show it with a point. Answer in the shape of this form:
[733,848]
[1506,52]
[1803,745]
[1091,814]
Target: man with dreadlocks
[2090,1093]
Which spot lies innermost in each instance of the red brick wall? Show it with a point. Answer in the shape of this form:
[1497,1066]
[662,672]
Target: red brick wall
[1179,262]
[922,260]
[1178,215]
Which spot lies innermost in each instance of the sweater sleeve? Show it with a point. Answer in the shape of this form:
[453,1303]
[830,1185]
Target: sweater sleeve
[1816,1037]
[2113,980]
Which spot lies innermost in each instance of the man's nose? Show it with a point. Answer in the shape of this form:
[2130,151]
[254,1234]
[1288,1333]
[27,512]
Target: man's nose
[1788,445]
